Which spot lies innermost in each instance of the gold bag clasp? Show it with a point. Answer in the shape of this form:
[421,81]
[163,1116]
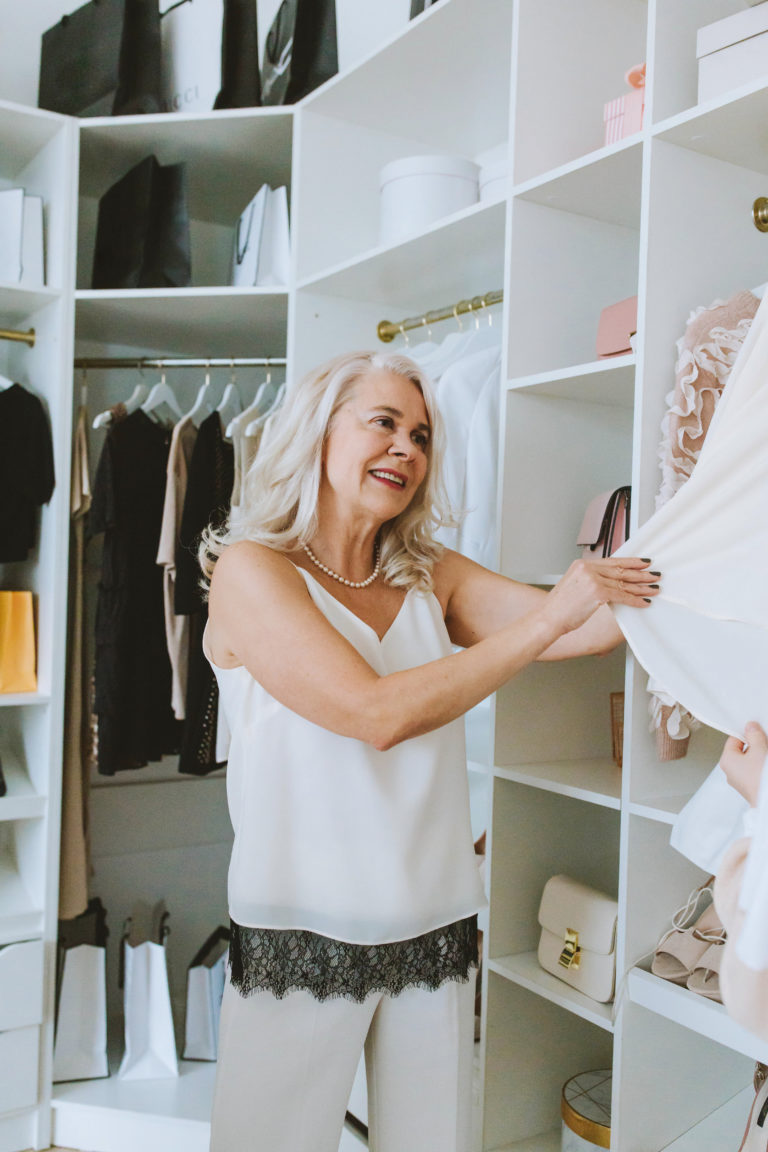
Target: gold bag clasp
[570,957]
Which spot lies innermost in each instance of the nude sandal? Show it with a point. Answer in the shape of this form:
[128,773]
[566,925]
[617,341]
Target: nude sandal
[679,951]
[705,978]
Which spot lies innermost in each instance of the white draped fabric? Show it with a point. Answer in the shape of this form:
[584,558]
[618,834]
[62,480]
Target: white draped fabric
[705,638]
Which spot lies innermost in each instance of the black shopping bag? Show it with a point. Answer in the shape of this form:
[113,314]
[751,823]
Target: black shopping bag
[142,235]
[102,59]
[240,79]
[300,52]
[418,6]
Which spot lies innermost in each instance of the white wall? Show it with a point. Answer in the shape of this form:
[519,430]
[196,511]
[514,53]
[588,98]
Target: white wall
[362,26]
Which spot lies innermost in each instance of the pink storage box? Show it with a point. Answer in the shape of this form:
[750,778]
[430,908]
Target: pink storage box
[617,323]
[624,115]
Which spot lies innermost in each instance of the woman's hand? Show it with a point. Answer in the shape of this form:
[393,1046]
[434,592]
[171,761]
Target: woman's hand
[743,762]
[589,583]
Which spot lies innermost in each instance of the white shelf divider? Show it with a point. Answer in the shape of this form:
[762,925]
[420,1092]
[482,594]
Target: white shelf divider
[524,969]
[697,1013]
[721,1129]
[595,781]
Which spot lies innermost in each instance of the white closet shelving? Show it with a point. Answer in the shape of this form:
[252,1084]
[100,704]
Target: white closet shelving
[665,214]
[38,153]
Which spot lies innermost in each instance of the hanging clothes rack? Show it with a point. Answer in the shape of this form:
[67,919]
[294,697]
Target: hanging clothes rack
[19,337]
[388,329]
[139,364]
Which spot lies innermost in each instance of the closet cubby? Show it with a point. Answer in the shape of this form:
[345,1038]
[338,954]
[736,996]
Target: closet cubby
[661,788]
[675,78]
[532,1047]
[566,267]
[369,117]
[570,61]
[660,1104]
[228,155]
[22,879]
[559,453]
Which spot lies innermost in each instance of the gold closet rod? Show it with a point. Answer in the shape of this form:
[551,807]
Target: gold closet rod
[87,362]
[388,329]
[18,337]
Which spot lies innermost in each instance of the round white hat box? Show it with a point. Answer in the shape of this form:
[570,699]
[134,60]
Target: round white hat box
[418,190]
[586,1110]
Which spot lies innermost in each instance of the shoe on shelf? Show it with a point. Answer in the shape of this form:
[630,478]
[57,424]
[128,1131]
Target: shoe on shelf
[705,978]
[696,927]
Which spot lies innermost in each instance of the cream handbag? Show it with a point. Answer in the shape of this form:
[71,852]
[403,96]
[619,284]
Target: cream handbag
[578,936]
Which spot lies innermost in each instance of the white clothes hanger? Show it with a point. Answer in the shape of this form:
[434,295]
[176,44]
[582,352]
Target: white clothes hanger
[203,405]
[231,404]
[161,396]
[5,382]
[256,425]
[263,398]
[134,401]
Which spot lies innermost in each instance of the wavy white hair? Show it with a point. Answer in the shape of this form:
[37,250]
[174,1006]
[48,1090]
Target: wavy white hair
[283,483]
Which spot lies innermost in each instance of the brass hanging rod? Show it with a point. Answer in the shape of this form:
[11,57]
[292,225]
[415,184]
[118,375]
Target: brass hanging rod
[388,329]
[19,337]
[139,364]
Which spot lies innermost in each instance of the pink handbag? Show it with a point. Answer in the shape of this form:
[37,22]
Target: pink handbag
[617,323]
[605,526]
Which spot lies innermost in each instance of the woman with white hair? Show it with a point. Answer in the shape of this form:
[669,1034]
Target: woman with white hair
[353,885]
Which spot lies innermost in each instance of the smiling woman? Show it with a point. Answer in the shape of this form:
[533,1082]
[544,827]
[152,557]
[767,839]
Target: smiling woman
[353,885]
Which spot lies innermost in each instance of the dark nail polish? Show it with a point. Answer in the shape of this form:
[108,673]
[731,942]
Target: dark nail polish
[653,585]
[647,599]
[646,560]
[654,573]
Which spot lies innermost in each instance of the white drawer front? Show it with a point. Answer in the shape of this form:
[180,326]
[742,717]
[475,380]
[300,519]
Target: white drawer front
[21,985]
[18,1062]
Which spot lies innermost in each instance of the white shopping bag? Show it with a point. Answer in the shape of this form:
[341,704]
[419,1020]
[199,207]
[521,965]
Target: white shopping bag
[191,37]
[32,245]
[274,262]
[245,254]
[80,1047]
[150,1042]
[11,226]
[206,977]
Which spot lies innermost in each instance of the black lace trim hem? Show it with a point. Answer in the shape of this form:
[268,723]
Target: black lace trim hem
[281,961]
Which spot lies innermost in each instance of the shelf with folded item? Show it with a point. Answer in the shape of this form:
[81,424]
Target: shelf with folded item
[249,146]
[697,1013]
[214,322]
[595,781]
[610,381]
[524,969]
[721,1129]
[461,253]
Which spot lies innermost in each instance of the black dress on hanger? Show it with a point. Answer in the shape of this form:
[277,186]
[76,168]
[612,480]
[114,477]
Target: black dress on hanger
[207,500]
[132,669]
[26,470]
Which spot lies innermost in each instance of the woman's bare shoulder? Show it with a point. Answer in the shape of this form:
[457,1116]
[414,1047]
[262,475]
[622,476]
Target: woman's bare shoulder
[252,566]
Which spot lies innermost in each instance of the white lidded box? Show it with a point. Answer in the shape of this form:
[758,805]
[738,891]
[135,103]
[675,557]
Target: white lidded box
[733,51]
[416,191]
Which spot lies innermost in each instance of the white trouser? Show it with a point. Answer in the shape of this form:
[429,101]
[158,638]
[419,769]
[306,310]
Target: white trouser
[286,1068]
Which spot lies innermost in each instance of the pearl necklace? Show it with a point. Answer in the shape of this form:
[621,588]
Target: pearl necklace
[341,579]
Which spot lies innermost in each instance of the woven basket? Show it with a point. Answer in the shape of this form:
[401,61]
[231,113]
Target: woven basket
[617,727]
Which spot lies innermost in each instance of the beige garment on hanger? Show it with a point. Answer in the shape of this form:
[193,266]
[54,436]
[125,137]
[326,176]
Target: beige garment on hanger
[74,870]
[176,627]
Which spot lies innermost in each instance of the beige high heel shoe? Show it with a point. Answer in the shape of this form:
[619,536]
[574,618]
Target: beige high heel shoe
[680,951]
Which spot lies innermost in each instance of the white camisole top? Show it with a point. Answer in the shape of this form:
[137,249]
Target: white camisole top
[332,835]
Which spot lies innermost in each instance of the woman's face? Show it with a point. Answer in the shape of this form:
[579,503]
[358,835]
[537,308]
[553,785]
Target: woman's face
[376,453]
